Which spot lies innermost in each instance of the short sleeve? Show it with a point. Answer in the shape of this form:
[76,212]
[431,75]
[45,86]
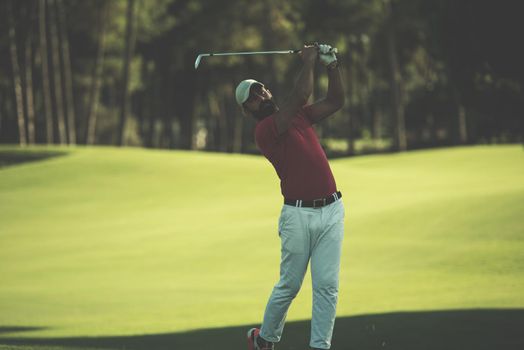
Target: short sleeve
[266,136]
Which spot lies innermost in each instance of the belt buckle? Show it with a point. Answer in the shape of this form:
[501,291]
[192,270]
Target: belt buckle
[321,201]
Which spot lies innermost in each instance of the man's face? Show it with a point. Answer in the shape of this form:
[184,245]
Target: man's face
[260,102]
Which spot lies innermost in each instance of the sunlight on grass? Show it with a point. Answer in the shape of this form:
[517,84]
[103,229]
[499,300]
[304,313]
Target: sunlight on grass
[109,241]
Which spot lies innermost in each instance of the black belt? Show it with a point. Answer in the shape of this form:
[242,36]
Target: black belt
[315,203]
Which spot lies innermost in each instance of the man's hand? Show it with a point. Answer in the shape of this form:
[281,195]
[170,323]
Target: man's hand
[327,54]
[309,53]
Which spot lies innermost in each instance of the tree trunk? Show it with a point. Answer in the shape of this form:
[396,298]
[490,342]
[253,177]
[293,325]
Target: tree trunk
[57,73]
[239,133]
[17,81]
[96,78]
[30,101]
[395,83]
[167,120]
[152,110]
[363,93]
[218,126]
[213,110]
[463,130]
[2,102]
[350,79]
[141,112]
[430,121]
[142,105]
[377,124]
[1,109]
[67,73]
[46,88]
[187,86]
[461,116]
[223,124]
[238,122]
[128,53]
[113,99]
[396,99]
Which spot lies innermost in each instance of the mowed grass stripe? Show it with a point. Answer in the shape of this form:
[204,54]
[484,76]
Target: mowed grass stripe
[110,241]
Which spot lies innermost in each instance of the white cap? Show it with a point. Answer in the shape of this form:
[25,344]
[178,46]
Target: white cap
[242,91]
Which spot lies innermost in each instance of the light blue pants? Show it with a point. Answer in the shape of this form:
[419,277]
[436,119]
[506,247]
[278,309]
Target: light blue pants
[307,234]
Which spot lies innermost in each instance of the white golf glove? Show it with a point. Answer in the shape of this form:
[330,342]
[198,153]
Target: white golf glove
[326,54]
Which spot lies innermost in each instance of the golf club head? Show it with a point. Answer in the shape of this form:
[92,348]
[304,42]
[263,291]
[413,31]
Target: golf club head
[198,59]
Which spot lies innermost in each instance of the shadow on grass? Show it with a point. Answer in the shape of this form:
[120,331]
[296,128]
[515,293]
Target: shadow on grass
[438,330]
[15,329]
[14,157]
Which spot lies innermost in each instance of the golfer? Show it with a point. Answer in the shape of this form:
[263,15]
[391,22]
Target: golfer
[311,224]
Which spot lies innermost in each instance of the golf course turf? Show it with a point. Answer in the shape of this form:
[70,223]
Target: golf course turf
[129,248]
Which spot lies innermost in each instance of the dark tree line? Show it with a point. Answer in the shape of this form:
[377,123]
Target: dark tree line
[120,72]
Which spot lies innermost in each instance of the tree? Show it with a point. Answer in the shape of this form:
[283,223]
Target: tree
[96,78]
[46,88]
[56,69]
[29,97]
[67,75]
[128,52]
[423,74]
[395,78]
[17,81]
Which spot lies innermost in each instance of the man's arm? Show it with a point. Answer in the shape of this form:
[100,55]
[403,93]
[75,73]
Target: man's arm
[301,92]
[334,99]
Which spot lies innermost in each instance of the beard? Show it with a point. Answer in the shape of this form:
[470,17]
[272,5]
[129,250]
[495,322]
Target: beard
[265,109]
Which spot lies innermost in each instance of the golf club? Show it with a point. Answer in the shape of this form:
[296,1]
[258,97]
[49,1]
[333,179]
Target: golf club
[199,57]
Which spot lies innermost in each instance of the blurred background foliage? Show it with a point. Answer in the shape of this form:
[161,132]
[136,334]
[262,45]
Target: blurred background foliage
[417,74]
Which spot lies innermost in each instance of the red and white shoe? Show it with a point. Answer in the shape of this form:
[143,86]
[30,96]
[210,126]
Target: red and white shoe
[252,344]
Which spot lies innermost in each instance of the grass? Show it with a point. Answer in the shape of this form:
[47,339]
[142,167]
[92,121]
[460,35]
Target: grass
[107,242]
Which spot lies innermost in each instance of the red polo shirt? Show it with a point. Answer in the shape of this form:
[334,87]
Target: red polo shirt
[298,158]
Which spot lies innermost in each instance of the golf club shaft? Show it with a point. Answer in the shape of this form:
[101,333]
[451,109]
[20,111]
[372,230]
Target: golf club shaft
[199,58]
[249,53]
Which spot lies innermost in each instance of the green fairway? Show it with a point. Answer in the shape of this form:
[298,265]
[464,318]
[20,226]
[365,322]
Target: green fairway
[120,242]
